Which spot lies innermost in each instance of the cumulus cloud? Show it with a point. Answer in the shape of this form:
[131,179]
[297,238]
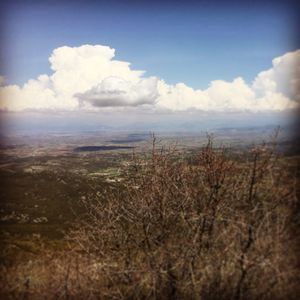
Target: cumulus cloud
[89,78]
[283,78]
[220,96]
[81,74]
[115,91]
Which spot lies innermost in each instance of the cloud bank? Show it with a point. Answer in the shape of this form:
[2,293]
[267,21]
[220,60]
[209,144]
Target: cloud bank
[88,78]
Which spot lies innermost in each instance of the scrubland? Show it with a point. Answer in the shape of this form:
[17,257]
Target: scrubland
[210,224]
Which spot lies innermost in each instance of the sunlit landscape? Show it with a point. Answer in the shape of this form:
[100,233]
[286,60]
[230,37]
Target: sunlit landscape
[149,150]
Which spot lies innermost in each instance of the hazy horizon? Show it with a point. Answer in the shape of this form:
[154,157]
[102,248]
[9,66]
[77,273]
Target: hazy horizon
[148,66]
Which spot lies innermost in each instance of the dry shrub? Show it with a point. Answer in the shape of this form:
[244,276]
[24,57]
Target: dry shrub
[205,227]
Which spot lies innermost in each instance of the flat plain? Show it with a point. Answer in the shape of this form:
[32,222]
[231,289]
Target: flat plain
[45,178]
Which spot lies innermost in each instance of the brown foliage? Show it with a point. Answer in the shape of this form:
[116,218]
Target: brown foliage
[207,227]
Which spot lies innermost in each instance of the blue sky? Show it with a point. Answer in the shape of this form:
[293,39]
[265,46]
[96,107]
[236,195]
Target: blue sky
[206,62]
[191,42]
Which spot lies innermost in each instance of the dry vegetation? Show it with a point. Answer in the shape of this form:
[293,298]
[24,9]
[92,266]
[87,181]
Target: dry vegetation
[202,227]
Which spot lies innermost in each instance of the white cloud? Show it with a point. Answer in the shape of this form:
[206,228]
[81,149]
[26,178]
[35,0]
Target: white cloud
[115,91]
[221,96]
[79,71]
[283,78]
[89,78]
[35,95]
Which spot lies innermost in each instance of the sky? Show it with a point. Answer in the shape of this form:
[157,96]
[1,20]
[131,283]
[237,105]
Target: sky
[166,60]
